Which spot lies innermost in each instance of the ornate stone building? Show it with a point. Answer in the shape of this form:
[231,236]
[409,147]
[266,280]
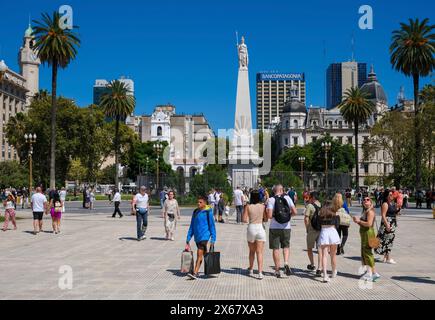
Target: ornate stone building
[299,126]
[17,90]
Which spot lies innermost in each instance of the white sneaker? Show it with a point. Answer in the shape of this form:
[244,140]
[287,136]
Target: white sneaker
[334,274]
[362,270]
[391,261]
[260,276]
[367,277]
[172,239]
[143,237]
[326,279]
[250,272]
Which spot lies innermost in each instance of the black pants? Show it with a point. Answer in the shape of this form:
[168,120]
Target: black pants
[117,203]
[345,231]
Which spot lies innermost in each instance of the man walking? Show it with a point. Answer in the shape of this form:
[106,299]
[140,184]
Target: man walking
[312,209]
[140,205]
[280,208]
[39,206]
[238,202]
[203,229]
[117,201]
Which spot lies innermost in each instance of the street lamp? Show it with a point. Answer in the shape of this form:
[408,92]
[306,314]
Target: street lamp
[327,147]
[30,139]
[302,160]
[158,148]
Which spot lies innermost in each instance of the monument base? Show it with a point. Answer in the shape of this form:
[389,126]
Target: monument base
[244,175]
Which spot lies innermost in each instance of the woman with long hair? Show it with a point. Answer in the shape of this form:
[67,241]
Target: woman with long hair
[367,231]
[56,211]
[171,213]
[255,214]
[345,219]
[387,230]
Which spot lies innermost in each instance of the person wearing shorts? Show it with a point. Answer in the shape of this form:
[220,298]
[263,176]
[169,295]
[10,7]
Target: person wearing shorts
[39,205]
[203,229]
[279,233]
[254,214]
[312,234]
[56,211]
[9,204]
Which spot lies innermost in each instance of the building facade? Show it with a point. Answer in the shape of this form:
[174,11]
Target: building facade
[342,76]
[272,93]
[300,126]
[187,136]
[17,90]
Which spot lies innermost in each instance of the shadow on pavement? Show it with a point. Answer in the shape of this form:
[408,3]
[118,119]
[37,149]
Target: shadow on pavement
[177,273]
[357,258]
[426,280]
[159,238]
[127,238]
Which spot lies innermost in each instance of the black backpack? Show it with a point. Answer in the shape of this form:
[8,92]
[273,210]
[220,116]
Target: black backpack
[281,210]
[315,219]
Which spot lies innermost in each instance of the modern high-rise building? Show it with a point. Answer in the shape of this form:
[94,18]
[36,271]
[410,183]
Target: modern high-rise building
[273,90]
[343,76]
[100,88]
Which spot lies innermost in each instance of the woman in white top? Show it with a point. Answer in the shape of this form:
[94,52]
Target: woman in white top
[171,212]
[254,213]
[9,204]
[92,199]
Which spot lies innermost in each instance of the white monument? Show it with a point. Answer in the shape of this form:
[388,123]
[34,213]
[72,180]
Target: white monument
[243,159]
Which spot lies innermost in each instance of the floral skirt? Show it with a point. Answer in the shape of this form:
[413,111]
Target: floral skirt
[387,238]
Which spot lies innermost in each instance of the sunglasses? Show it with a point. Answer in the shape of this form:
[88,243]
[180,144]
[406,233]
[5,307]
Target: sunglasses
[367,199]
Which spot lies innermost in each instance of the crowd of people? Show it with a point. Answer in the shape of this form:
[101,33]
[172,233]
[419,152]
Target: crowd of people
[327,224]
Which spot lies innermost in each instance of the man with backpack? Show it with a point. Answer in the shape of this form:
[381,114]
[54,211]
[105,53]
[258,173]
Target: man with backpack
[312,225]
[293,195]
[280,209]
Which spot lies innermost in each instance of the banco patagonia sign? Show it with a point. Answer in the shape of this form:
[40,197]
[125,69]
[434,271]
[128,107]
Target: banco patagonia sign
[280,76]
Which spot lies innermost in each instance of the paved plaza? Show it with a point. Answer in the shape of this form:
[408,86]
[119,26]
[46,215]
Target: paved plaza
[108,263]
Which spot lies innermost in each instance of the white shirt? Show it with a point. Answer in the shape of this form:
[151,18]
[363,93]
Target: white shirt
[9,205]
[238,197]
[141,201]
[38,200]
[273,223]
[217,197]
[211,199]
[117,197]
[62,195]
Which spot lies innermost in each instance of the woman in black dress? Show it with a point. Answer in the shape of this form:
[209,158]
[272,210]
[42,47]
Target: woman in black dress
[387,231]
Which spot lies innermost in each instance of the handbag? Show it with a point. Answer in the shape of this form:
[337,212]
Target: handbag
[187,261]
[374,241]
[345,218]
[212,264]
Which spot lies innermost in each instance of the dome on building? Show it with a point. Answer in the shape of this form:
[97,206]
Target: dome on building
[28,32]
[373,88]
[294,104]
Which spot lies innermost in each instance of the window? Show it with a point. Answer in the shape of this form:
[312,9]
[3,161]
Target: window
[366,168]
[159,131]
[287,124]
[295,141]
[295,123]
[349,140]
[340,140]
[314,139]
[286,141]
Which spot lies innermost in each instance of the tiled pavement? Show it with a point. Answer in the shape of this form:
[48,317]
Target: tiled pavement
[108,263]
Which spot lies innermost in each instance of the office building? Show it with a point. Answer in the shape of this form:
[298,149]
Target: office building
[273,92]
[342,76]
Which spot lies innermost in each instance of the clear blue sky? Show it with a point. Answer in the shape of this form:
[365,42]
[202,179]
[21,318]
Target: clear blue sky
[184,52]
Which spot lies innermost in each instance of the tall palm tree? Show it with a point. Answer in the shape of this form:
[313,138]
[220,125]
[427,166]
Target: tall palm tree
[55,47]
[356,108]
[412,53]
[118,103]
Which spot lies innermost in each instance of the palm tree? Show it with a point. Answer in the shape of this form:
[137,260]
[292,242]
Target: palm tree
[55,47]
[118,103]
[356,108]
[412,53]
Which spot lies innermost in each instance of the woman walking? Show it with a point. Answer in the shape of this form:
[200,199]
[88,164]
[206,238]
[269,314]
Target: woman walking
[255,214]
[91,199]
[345,219]
[367,231]
[56,212]
[117,200]
[171,213]
[9,204]
[387,231]
[328,239]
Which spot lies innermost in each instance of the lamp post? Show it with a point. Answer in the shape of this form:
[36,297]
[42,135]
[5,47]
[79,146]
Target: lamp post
[158,147]
[30,139]
[327,147]
[302,160]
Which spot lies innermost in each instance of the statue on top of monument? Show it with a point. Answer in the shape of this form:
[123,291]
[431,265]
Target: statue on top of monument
[243,55]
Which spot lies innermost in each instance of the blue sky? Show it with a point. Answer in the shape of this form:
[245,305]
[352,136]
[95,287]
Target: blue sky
[184,52]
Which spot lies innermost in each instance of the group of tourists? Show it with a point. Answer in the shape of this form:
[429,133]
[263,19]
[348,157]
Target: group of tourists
[327,229]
